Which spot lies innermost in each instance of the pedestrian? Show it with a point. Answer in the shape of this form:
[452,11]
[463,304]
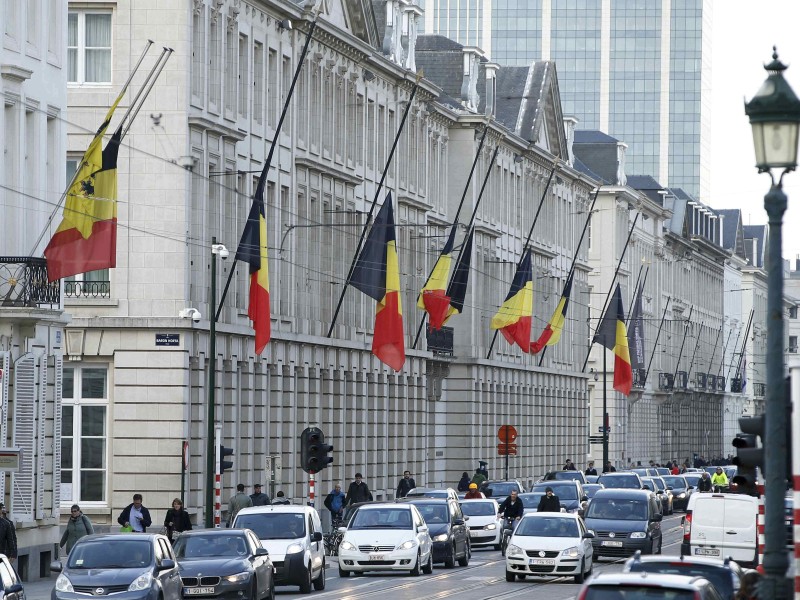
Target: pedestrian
[357,491]
[258,497]
[569,465]
[549,502]
[177,520]
[473,493]
[78,526]
[10,522]
[478,478]
[463,483]
[334,502]
[280,498]
[405,485]
[237,502]
[135,516]
[590,470]
[609,468]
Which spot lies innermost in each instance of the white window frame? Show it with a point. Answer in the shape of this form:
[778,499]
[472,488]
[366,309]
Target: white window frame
[77,403]
[80,75]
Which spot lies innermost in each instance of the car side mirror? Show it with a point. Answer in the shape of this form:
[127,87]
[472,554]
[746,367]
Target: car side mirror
[691,487]
[262,552]
[458,521]
[422,528]
[342,529]
[658,517]
[166,563]
[15,588]
[316,536]
[584,498]
[56,566]
[589,535]
[466,518]
[670,488]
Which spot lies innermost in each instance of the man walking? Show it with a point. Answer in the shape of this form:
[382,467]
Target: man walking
[590,470]
[10,549]
[549,502]
[406,484]
[135,516]
[238,501]
[258,497]
[357,492]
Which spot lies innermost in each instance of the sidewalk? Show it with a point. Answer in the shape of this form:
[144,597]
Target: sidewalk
[39,589]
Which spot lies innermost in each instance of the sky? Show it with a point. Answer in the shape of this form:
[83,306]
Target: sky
[743,34]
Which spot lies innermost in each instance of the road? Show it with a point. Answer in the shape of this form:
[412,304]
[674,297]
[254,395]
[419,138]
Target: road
[483,579]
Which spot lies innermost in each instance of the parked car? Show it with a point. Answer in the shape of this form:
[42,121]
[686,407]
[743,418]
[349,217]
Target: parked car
[292,534]
[225,562]
[721,525]
[637,586]
[500,489]
[485,526]
[681,490]
[547,544]
[386,537]
[564,475]
[725,575]
[659,488]
[425,492]
[138,565]
[570,493]
[621,479]
[624,521]
[447,527]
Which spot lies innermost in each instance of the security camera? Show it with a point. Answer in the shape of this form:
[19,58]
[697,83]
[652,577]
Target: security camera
[190,313]
[221,250]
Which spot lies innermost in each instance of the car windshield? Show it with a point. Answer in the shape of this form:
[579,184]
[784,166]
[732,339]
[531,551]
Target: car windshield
[195,546]
[590,490]
[676,482]
[620,509]
[547,527]
[427,493]
[479,509]
[383,518]
[649,484]
[274,525]
[692,479]
[636,592]
[721,577]
[119,554]
[497,489]
[564,492]
[659,484]
[434,514]
[567,475]
[531,500]
[620,481]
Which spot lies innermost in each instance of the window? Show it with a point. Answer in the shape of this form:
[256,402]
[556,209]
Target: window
[258,82]
[89,47]
[84,434]
[244,80]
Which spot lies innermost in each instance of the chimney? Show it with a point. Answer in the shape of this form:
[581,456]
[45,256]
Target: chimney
[491,88]
[622,179]
[411,16]
[469,81]
[570,125]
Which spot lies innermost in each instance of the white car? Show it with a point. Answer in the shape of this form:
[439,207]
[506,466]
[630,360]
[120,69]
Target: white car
[550,545]
[386,537]
[485,526]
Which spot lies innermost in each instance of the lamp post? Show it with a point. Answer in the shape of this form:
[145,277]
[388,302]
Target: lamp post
[211,451]
[774,114]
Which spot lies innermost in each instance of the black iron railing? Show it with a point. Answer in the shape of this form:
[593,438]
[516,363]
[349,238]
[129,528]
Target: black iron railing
[666,381]
[711,383]
[700,381]
[87,289]
[759,390]
[23,283]
[736,385]
[720,383]
[441,341]
[639,377]
[682,380]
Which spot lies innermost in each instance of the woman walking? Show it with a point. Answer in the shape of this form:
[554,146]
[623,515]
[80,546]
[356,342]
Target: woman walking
[177,520]
[78,526]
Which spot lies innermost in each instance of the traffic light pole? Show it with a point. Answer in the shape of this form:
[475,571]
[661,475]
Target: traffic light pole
[212,382]
[605,411]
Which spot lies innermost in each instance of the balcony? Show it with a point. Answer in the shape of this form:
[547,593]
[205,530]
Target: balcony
[23,283]
[87,289]
[736,385]
[440,342]
[701,380]
[639,378]
[759,390]
[666,382]
[720,383]
[681,380]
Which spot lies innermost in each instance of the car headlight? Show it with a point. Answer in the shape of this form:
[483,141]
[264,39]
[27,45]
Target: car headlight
[514,550]
[345,545]
[491,526]
[408,545]
[63,584]
[238,578]
[682,495]
[638,534]
[142,582]
[571,552]
[442,537]
[294,548]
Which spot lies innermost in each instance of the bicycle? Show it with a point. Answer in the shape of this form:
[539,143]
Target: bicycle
[333,538]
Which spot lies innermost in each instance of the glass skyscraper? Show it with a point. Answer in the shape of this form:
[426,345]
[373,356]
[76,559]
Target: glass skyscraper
[638,70]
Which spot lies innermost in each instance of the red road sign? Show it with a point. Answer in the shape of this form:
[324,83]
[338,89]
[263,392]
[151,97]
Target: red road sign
[507,434]
[507,449]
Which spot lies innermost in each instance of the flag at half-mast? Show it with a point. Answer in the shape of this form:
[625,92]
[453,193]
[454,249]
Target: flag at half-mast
[514,317]
[433,298]
[552,332]
[636,333]
[253,250]
[613,335]
[377,274]
[457,290]
[86,238]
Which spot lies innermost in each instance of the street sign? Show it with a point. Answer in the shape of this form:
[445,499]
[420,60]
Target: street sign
[507,449]
[595,439]
[507,434]
[600,428]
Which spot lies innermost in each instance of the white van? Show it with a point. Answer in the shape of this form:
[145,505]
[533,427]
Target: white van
[292,534]
[722,526]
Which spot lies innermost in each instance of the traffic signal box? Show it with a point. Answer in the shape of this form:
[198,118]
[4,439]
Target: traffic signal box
[224,464]
[314,451]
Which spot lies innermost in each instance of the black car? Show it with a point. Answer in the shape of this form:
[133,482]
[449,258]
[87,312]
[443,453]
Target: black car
[570,493]
[624,521]
[447,528]
[623,479]
[681,490]
[500,490]
[139,565]
[224,563]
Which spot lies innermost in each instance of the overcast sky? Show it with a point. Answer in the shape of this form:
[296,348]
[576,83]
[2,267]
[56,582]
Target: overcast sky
[743,34]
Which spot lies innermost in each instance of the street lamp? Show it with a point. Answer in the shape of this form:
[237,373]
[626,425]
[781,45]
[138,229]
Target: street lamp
[774,114]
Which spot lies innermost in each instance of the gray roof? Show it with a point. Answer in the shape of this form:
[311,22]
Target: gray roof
[510,90]
[754,240]
[648,186]
[593,136]
[442,61]
[732,231]
[581,167]
[597,151]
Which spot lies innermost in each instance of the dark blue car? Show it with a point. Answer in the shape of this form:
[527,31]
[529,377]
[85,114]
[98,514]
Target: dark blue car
[448,530]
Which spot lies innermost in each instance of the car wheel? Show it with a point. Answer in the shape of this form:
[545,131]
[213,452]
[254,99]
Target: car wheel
[343,573]
[464,560]
[450,561]
[305,587]
[521,576]
[580,576]
[416,570]
[319,582]
[510,576]
[428,568]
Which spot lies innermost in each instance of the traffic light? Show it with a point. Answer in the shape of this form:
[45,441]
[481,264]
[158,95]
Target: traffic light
[314,451]
[749,456]
[224,464]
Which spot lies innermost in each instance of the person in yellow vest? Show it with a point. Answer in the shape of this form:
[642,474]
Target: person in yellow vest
[719,479]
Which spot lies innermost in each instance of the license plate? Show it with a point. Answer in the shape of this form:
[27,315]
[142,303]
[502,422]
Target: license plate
[542,561]
[707,551]
[198,591]
[376,556]
[613,544]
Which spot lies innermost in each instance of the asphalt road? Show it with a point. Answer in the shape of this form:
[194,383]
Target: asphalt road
[483,579]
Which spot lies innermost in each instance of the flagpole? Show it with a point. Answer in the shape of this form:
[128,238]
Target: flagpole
[605,409]
[75,174]
[635,293]
[374,203]
[744,343]
[655,343]
[275,139]
[613,279]
[714,351]
[724,350]
[145,90]
[458,212]
[530,234]
[694,354]
[683,343]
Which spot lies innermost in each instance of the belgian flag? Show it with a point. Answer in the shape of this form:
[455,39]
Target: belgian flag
[514,317]
[552,332]
[612,334]
[377,274]
[253,250]
[433,298]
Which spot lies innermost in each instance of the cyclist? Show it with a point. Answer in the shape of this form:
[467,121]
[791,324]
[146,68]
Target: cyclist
[334,502]
[704,485]
[719,479]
